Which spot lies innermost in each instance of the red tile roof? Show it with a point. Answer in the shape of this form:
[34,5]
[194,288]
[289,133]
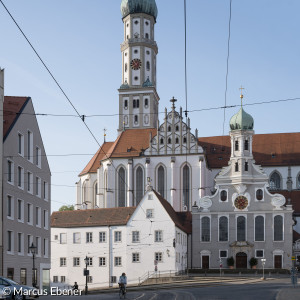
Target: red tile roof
[296,236]
[12,107]
[94,163]
[183,220]
[92,217]
[277,149]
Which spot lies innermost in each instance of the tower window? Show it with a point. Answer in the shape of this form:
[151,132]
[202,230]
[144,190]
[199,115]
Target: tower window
[147,52]
[177,128]
[127,25]
[246,145]
[184,140]
[136,22]
[161,140]
[126,104]
[127,37]
[146,102]
[137,103]
[136,51]
[147,35]
[236,145]
[246,166]
[147,23]
[236,167]
[136,78]
[169,128]
[134,103]
[169,141]
[125,67]
[148,66]
[136,119]
[177,141]
[126,54]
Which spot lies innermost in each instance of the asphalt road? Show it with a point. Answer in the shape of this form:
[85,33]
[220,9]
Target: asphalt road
[256,291]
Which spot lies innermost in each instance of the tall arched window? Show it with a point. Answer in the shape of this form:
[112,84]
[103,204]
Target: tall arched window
[275,181]
[121,187]
[259,229]
[186,186]
[148,65]
[84,193]
[205,229]
[139,190]
[241,229]
[223,229]
[161,181]
[278,228]
[95,193]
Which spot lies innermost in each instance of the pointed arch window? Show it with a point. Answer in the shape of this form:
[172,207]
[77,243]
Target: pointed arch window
[205,229]
[161,181]
[184,140]
[275,181]
[161,140]
[84,193]
[139,190]
[121,187]
[95,193]
[186,186]
[259,229]
[278,228]
[223,229]
[241,229]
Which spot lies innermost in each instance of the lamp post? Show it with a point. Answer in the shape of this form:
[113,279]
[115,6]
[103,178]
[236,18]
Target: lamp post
[86,273]
[32,250]
[263,261]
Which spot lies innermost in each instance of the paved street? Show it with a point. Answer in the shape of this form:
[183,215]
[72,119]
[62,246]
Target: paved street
[263,290]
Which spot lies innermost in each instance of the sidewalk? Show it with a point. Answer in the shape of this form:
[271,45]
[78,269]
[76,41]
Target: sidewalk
[289,293]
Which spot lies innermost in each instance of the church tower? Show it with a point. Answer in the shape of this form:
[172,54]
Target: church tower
[138,98]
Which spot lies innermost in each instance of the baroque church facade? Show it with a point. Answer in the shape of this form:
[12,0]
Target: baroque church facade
[183,167]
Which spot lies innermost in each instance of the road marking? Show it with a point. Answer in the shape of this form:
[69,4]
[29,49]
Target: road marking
[155,295]
[140,296]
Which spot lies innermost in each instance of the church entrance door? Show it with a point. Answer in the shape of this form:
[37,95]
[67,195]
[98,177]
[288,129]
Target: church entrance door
[241,260]
[277,261]
[205,262]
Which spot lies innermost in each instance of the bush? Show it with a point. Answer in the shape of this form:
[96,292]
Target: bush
[253,261]
[230,261]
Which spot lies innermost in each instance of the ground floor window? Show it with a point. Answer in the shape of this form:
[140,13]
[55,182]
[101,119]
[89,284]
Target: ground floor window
[23,276]
[10,273]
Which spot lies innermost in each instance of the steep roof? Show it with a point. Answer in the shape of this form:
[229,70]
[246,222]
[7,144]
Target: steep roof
[94,163]
[12,108]
[92,217]
[277,149]
[183,220]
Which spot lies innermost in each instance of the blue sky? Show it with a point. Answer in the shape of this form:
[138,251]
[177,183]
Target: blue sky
[80,42]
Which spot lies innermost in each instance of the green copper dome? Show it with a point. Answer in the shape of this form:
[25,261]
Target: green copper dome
[241,121]
[139,6]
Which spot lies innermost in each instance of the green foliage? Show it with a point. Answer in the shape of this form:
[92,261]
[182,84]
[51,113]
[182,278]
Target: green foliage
[253,261]
[230,261]
[66,207]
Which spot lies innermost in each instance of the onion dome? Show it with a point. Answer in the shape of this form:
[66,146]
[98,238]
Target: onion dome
[241,121]
[139,6]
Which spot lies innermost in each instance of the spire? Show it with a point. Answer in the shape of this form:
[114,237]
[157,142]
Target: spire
[173,100]
[241,96]
[104,134]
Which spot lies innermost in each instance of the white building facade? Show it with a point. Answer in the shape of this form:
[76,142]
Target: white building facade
[139,241]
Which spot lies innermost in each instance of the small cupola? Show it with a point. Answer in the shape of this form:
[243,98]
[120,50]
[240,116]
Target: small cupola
[139,6]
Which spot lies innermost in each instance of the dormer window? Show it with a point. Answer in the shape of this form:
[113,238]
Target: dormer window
[236,145]
[236,167]
[246,145]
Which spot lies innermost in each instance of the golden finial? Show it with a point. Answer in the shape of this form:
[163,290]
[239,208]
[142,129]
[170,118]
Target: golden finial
[241,96]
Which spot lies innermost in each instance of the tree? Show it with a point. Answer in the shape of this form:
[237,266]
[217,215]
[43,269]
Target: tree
[66,207]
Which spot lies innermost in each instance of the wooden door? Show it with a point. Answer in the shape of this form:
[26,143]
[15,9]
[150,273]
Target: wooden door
[241,260]
[205,262]
[278,261]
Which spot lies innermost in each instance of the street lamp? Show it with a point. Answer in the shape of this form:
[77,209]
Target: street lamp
[263,261]
[86,274]
[32,250]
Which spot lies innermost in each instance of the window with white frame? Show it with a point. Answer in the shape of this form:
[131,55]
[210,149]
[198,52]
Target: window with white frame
[259,253]
[20,210]
[186,190]
[46,248]
[223,229]
[20,243]
[90,279]
[63,261]
[135,236]
[45,191]
[20,177]
[89,237]
[161,181]
[102,261]
[118,261]
[241,228]
[149,213]
[29,242]
[10,206]
[38,156]
[259,228]
[29,213]
[38,186]
[29,182]
[10,241]
[76,238]
[158,256]
[118,236]
[102,237]
[45,219]
[158,236]
[205,229]
[29,146]
[76,261]
[90,261]
[38,246]
[55,279]
[139,190]
[38,216]
[223,253]
[10,171]
[62,279]
[135,257]
[63,238]
[121,187]
[20,144]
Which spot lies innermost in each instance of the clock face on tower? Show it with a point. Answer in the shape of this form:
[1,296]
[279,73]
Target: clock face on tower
[136,64]
[241,202]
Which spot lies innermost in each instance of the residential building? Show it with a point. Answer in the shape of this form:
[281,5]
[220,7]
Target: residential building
[1,171]
[26,195]
[139,241]
[242,219]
